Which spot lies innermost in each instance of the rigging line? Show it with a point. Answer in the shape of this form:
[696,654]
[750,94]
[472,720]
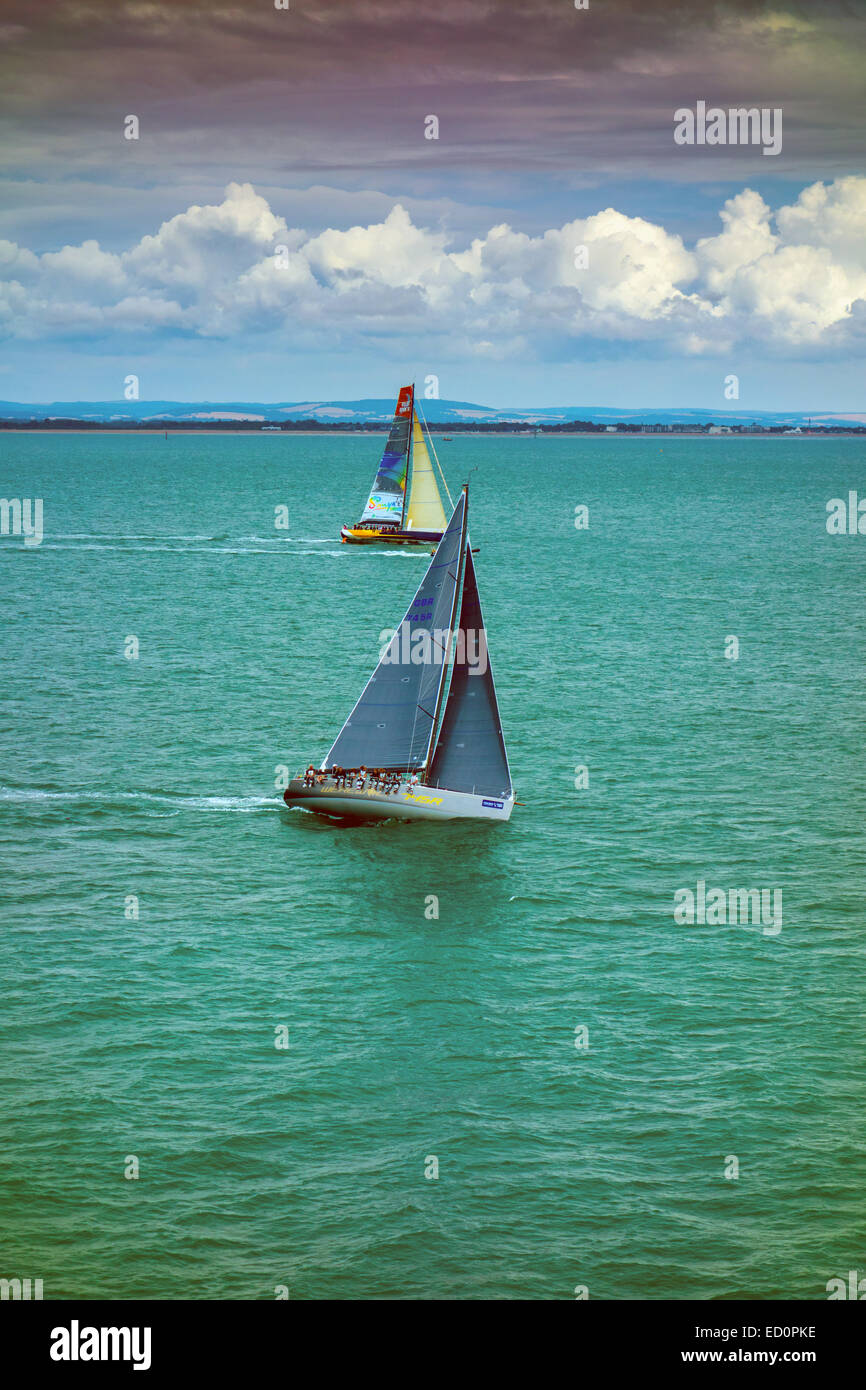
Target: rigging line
[408,461]
[439,715]
[433,717]
[435,455]
[417,706]
[412,737]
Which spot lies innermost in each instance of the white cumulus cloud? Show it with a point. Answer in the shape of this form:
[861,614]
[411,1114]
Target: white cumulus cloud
[793,280]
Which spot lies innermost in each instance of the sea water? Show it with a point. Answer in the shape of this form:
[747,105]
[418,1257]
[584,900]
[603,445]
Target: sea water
[250,1053]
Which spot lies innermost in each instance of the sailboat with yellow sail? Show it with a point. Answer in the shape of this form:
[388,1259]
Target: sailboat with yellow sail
[404,506]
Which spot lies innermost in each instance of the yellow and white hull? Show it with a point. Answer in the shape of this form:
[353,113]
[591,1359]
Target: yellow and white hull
[354,535]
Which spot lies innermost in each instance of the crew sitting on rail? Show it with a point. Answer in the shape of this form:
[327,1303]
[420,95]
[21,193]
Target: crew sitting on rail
[377,778]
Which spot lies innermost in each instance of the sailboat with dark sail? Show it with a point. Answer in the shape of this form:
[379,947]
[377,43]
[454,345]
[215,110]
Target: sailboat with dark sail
[424,741]
[404,506]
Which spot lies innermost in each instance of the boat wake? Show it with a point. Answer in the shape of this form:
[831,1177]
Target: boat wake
[114,536]
[296,547]
[205,547]
[124,800]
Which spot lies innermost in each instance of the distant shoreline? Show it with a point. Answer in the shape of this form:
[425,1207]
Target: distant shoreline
[209,430]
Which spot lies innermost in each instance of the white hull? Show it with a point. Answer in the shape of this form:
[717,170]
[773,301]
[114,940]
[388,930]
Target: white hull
[415,803]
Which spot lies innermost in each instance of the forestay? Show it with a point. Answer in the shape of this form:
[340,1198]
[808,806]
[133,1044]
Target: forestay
[392,723]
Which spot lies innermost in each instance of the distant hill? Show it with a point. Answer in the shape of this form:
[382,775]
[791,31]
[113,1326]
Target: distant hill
[442,412]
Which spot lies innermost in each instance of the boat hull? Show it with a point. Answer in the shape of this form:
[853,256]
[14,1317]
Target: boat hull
[415,803]
[352,535]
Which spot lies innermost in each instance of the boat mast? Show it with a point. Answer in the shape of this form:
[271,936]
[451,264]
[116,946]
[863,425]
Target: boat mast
[408,458]
[455,608]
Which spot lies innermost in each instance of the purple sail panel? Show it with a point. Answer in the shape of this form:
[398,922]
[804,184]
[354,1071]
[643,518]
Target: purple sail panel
[389,490]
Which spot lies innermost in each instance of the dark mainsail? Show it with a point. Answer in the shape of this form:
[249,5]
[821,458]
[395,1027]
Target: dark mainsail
[470,753]
[391,725]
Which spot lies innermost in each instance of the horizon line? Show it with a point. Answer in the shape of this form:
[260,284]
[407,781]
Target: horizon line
[444,401]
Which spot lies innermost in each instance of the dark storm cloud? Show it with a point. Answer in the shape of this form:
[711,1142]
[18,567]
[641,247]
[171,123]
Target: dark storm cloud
[346,86]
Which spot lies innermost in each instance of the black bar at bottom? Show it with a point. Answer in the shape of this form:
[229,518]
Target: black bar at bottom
[228,1339]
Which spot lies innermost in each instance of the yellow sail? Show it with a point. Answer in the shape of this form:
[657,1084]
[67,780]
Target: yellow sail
[424,509]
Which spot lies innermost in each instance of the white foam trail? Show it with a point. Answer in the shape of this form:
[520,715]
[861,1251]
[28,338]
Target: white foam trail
[171,536]
[189,803]
[123,545]
[170,549]
[114,536]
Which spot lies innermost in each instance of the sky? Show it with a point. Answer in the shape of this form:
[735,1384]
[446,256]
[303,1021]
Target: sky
[284,227]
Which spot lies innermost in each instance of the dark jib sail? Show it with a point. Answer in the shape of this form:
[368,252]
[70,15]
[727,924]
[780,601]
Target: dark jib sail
[470,753]
[386,501]
[392,723]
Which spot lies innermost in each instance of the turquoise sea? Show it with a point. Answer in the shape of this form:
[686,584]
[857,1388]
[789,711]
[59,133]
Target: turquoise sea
[411,1036]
